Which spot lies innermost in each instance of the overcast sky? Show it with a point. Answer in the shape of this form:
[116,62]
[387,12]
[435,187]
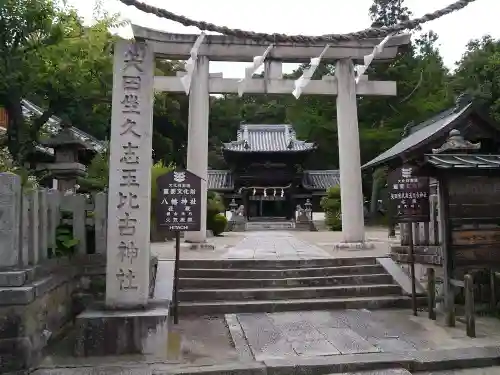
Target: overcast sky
[322,17]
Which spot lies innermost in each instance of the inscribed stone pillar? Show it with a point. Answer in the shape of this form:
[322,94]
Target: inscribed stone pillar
[129,202]
[10,219]
[351,193]
[197,152]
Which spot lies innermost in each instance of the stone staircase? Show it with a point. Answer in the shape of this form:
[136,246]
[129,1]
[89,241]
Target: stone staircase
[269,225]
[243,286]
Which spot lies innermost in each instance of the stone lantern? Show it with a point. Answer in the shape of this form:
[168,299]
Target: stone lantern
[66,168]
[233,206]
[308,207]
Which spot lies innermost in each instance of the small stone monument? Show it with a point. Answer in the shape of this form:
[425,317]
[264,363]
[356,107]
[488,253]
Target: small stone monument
[66,168]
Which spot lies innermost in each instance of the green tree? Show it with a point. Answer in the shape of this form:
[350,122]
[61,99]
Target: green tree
[478,73]
[48,56]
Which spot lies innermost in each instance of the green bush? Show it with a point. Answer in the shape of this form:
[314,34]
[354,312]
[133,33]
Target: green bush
[215,206]
[331,206]
[219,224]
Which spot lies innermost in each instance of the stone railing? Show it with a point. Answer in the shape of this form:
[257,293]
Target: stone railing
[41,287]
[29,220]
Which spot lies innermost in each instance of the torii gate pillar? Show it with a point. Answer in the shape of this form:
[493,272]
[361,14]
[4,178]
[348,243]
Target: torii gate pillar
[197,147]
[351,191]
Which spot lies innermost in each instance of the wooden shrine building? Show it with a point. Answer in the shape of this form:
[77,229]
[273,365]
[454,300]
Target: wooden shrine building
[266,173]
[428,145]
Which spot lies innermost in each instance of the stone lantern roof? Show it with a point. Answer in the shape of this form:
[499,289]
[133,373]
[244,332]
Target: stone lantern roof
[65,138]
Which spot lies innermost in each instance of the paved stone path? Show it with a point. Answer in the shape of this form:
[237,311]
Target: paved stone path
[322,333]
[277,245]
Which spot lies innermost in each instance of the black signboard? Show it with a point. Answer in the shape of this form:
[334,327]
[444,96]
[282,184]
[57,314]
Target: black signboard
[178,205]
[408,195]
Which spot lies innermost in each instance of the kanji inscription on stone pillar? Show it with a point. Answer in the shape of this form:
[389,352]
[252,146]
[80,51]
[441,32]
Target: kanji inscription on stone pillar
[129,202]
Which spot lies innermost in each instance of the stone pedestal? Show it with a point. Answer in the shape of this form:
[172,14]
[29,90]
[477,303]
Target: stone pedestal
[101,331]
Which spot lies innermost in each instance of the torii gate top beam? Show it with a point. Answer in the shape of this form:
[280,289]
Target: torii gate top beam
[226,48]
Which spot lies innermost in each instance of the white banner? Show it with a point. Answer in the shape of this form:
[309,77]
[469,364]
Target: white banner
[307,74]
[361,69]
[190,65]
[251,69]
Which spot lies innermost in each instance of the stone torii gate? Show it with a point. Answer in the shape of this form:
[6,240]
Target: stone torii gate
[131,131]
[224,48]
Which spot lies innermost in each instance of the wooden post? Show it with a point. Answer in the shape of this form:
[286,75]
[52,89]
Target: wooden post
[431,292]
[470,320]
[412,270]
[493,292]
[445,234]
[425,238]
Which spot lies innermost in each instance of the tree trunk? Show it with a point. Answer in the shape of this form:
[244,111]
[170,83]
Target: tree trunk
[14,127]
[37,125]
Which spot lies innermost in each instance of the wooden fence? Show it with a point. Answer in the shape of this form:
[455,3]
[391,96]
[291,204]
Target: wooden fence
[29,221]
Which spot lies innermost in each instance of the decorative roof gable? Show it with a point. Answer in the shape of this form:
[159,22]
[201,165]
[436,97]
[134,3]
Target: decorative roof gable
[267,138]
[421,133]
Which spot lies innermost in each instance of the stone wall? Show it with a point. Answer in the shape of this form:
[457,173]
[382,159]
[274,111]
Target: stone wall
[426,255]
[38,303]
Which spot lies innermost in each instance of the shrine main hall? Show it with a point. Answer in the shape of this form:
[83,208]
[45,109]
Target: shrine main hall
[266,173]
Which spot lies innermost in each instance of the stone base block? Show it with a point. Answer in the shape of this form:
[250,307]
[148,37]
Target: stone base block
[366,245]
[101,331]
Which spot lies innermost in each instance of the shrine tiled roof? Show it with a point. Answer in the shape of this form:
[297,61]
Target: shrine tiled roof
[267,138]
[463,161]
[423,132]
[321,180]
[222,180]
[53,125]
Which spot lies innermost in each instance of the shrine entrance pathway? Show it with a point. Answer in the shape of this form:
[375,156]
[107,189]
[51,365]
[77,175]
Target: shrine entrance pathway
[305,337]
[274,245]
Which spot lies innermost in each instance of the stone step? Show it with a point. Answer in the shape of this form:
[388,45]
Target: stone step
[288,293]
[269,225]
[203,283]
[275,264]
[280,273]
[226,307]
